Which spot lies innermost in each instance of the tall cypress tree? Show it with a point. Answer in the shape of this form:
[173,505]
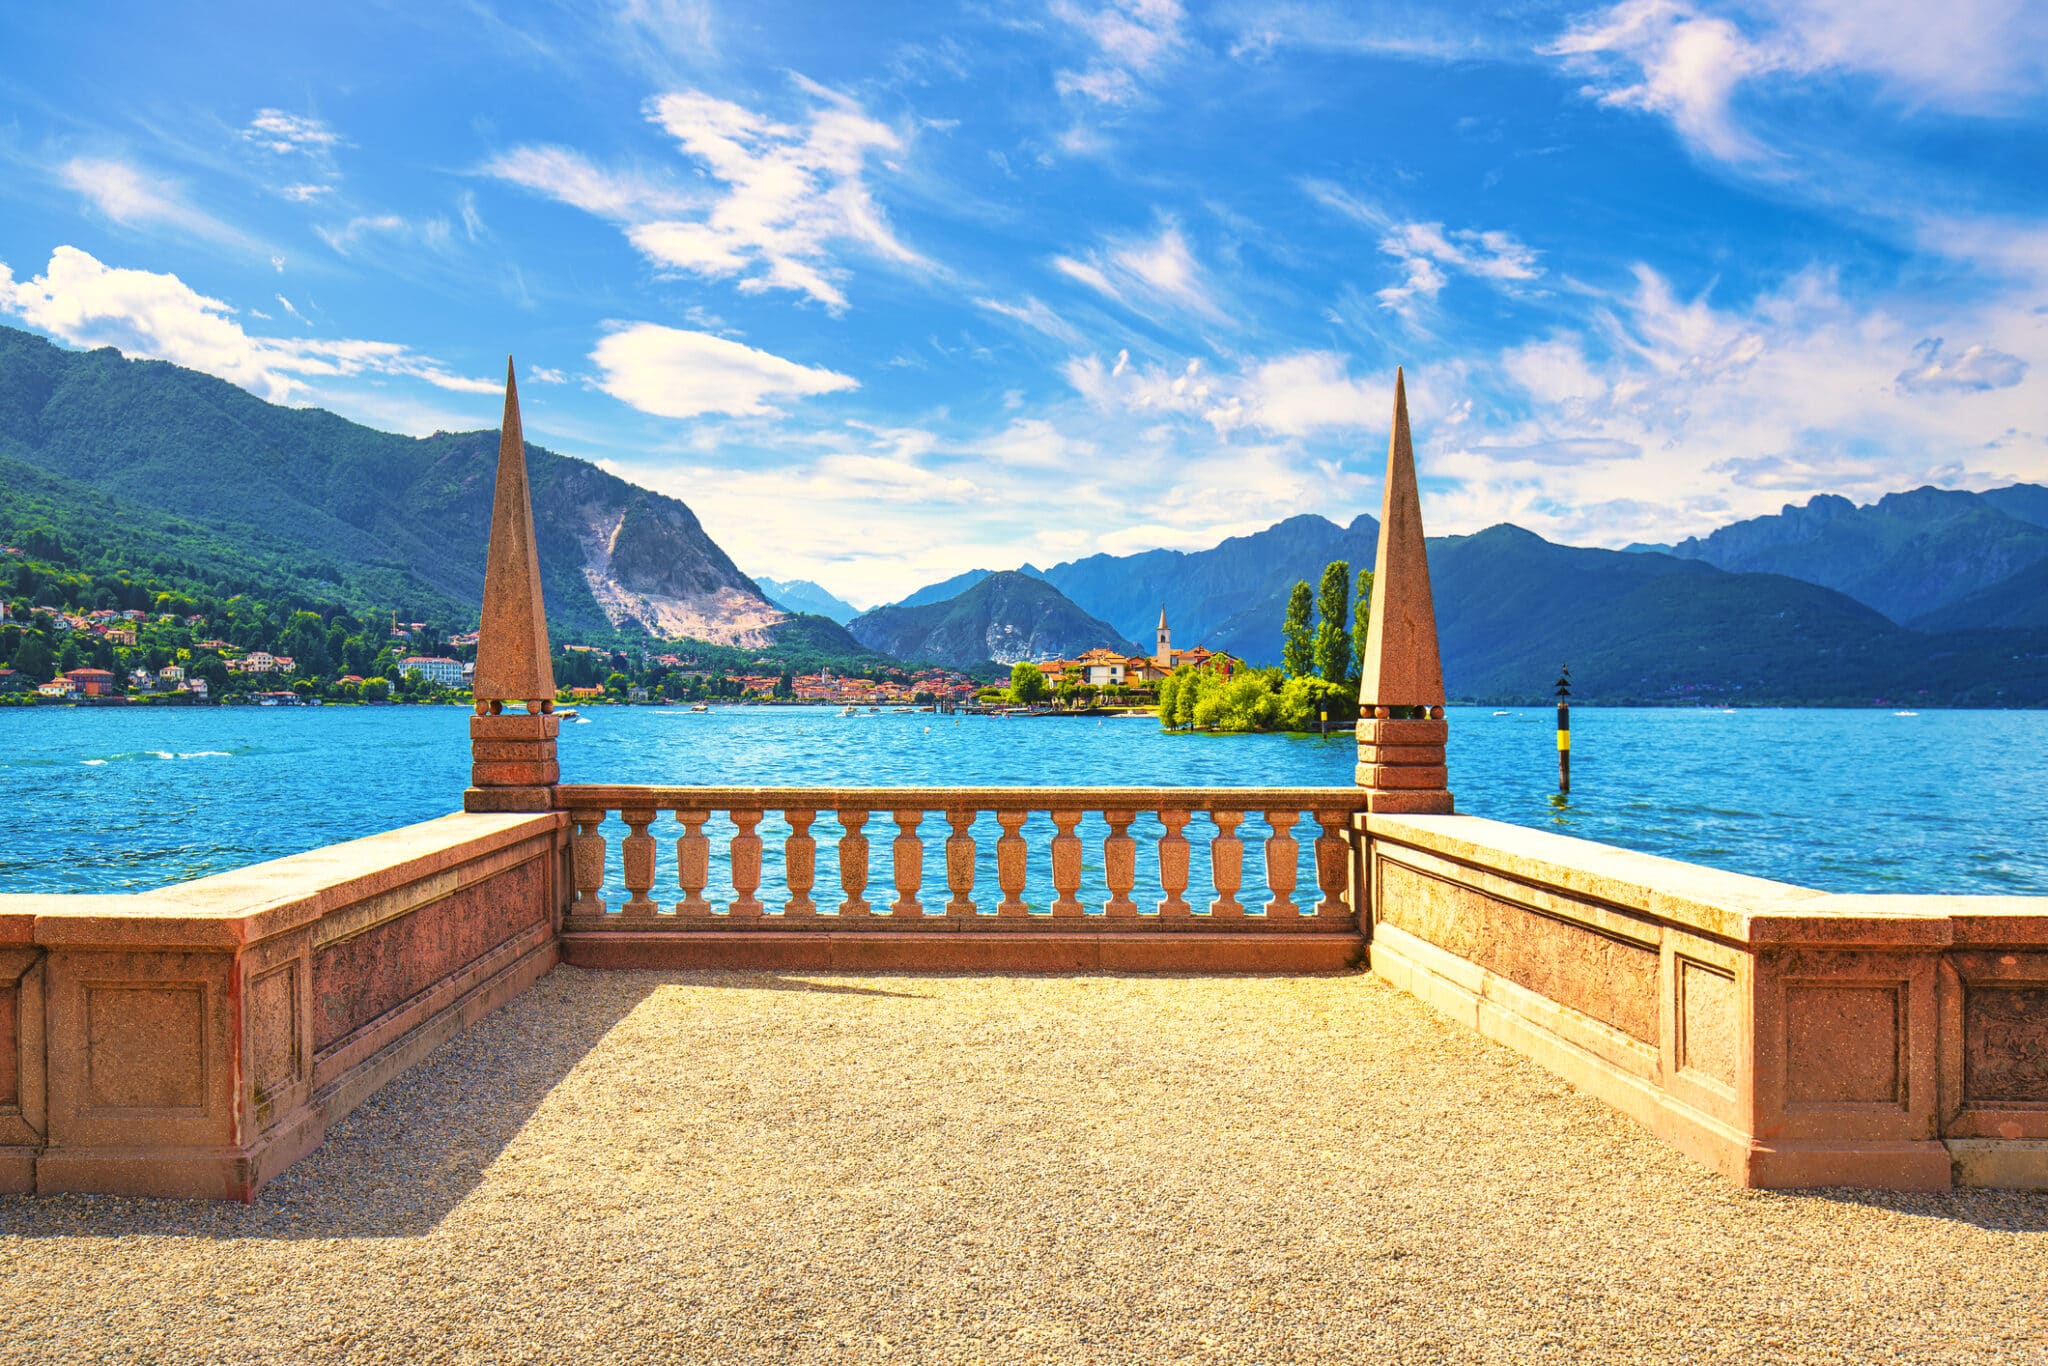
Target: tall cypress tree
[1333,605]
[1297,652]
[1361,619]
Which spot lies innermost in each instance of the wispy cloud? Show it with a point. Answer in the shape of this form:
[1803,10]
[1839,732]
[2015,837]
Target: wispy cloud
[790,195]
[1687,62]
[1973,370]
[1429,253]
[145,313]
[1129,41]
[670,372]
[304,146]
[1145,274]
[135,199]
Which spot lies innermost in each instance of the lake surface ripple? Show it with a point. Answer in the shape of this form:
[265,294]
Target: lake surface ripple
[102,800]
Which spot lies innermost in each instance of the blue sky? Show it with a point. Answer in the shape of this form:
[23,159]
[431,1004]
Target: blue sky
[889,291]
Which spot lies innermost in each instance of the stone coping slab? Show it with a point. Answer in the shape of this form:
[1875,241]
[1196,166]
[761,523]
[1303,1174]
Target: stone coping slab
[250,904]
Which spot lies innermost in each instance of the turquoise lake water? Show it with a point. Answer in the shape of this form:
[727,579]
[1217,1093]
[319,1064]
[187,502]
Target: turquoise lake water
[121,800]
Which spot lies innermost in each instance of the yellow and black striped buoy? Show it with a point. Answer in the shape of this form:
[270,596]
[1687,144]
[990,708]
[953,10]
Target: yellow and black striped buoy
[1564,728]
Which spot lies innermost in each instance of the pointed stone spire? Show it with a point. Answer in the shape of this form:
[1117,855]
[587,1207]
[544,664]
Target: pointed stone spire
[512,663]
[1402,667]
[1401,730]
[512,765]
[1162,616]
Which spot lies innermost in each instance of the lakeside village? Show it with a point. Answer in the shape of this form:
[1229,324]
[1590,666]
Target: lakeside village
[69,637]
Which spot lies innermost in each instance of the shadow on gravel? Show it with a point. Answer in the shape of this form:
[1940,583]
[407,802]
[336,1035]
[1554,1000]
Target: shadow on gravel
[2000,1211]
[407,1156]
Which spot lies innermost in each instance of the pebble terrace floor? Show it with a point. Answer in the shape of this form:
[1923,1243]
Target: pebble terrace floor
[646,1167]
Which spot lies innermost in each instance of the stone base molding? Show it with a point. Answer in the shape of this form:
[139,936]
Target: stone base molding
[1782,1036]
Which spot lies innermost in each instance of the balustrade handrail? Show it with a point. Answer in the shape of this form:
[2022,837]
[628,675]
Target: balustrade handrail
[612,796]
[1331,809]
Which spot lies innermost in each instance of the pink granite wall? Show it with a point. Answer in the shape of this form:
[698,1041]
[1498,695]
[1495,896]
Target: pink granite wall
[198,1040]
[1781,1035]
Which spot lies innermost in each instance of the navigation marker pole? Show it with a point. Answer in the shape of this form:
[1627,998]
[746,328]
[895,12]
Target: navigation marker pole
[1564,728]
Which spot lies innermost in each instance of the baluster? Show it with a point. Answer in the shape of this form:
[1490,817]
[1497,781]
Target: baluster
[693,863]
[588,850]
[1120,863]
[906,857]
[800,863]
[960,862]
[1333,862]
[1066,864]
[637,852]
[853,863]
[1226,863]
[1173,864]
[1283,855]
[1010,863]
[746,868]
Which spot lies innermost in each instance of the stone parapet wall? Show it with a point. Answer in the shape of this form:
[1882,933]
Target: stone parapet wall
[1783,1036]
[195,1041]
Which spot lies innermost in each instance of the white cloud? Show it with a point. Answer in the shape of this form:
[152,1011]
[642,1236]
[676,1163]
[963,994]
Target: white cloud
[1303,393]
[1428,253]
[1976,369]
[791,193]
[304,144]
[1677,59]
[351,234]
[1669,415]
[541,374]
[132,198]
[1666,58]
[568,176]
[144,313]
[1145,273]
[673,373]
[286,133]
[1130,41]
[1034,314]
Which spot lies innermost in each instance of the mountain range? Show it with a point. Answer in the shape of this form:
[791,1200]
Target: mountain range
[1917,556]
[1934,596]
[174,469]
[1002,617]
[801,595]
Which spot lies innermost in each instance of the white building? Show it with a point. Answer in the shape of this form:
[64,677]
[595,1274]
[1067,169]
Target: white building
[446,672]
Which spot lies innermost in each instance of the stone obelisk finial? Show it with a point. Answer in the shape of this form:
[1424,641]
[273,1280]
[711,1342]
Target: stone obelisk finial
[512,757]
[1401,730]
[512,663]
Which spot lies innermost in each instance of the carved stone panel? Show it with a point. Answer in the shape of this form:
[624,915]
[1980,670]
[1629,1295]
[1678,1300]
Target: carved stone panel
[276,1058]
[1842,1043]
[1709,1022]
[145,1047]
[358,979]
[2005,1043]
[1610,979]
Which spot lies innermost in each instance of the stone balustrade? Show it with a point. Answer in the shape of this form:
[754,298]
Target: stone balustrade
[963,884]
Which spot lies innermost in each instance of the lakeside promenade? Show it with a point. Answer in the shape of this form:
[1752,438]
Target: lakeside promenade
[631,1167]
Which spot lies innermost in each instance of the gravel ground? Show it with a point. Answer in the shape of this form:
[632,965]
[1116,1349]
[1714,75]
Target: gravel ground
[646,1167]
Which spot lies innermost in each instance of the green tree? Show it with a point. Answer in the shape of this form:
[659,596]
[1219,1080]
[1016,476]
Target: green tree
[1027,682]
[1297,649]
[785,686]
[1184,700]
[1361,619]
[376,689]
[33,659]
[1333,606]
[1169,693]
